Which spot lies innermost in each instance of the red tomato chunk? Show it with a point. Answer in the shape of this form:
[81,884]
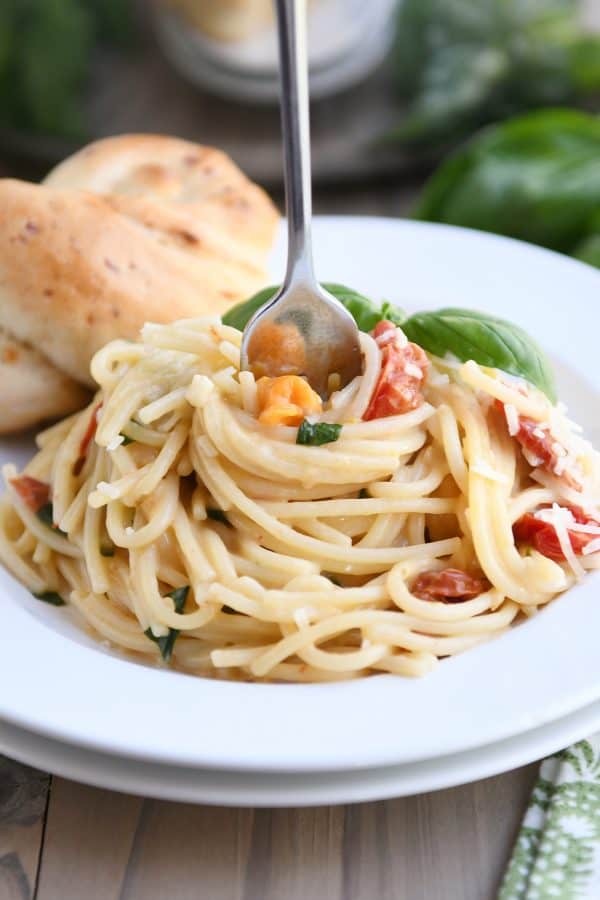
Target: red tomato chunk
[451,585]
[87,440]
[32,492]
[542,535]
[541,447]
[403,370]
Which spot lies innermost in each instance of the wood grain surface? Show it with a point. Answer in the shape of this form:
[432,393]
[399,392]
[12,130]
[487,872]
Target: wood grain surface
[451,845]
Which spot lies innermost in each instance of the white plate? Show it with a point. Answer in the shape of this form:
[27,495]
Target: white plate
[59,683]
[227,788]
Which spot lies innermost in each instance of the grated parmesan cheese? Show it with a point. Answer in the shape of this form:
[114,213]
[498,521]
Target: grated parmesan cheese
[512,418]
[116,442]
[585,529]
[413,371]
[561,519]
[108,490]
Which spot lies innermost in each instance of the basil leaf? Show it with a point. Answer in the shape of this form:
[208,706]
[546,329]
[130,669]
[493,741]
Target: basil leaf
[588,251]
[366,314]
[167,641]
[318,433]
[461,63]
[50,597]
[107,549]
[536,178]
[46,515]
[217,515]
[488,340]
[126,440]
[179,596]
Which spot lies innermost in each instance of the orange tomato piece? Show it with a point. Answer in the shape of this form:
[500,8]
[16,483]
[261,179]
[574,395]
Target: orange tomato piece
[286,400]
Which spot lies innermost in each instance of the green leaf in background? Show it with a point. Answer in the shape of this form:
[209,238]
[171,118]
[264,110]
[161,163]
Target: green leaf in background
[46,47]
[588,251]
[536,177]
[365,313]
[488,340]
[462,63]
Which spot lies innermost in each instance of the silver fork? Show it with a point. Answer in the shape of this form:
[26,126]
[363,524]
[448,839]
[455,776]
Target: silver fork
[303,330]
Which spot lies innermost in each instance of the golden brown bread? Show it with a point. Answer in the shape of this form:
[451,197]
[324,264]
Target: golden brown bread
[129,230]
[200,180]
[77,270]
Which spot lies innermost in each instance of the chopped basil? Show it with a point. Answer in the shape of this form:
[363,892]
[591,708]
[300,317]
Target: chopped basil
[126,440]
[107,549]
[318,433]
[229,611]
[167,641]
[46,515]
[217,515]
[179,596]
[50,597]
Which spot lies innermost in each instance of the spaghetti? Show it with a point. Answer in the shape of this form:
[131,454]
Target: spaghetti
[390,528]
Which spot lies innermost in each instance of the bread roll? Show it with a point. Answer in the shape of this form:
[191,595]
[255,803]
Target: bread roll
[129,230]
[201,181]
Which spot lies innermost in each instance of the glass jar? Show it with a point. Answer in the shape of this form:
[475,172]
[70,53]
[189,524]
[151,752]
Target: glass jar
[230,46]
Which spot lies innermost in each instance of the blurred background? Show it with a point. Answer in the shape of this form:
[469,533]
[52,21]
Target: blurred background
[496,98]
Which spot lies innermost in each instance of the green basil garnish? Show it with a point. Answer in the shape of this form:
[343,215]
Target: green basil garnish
[107,549]
[318,433]
[126,440]
[486,339]
[50,597]
[217,515]
[467,334]
[365,313]
[46,515]
[167,641]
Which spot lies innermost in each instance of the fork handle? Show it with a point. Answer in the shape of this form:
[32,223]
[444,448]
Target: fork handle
[295,123]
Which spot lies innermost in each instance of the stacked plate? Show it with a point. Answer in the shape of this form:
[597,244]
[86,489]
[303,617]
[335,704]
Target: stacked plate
[72,706]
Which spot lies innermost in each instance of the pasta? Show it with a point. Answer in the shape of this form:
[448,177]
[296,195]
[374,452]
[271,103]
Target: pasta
[181,526]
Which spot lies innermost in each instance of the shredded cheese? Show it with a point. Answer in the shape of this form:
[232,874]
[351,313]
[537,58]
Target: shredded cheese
[561,519]
[109,490]
[116,442]
[512,418]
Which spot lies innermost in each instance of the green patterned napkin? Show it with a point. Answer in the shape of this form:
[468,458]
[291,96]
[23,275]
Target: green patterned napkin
[557,853]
